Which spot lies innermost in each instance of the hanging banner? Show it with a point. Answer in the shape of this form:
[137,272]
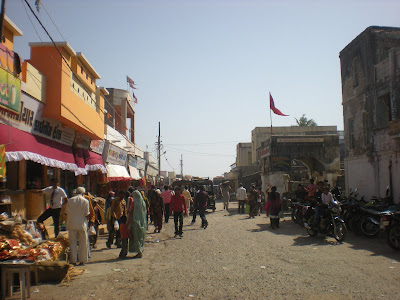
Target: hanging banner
[10,91]
[116,155]
[97,146]
[30,120]
[2,161]
[82,141]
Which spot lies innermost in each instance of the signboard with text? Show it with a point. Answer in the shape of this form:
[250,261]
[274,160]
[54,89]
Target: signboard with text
[97,146]
[280,163]
[10,91]
[30,120]
[116,155]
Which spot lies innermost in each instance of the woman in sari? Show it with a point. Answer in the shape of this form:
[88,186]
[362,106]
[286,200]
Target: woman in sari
[273,206]
[137,224]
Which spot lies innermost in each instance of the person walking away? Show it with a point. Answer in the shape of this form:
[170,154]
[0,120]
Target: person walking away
[137,224]
[97,221]
[252,201]
[273,206]
[157,210]
[57,196]
[259,200]
[225,189]
[125,235]
[118,209]
[188,197]
[200,202]
[166,196]
[77,211]
[241,196]
[178,206]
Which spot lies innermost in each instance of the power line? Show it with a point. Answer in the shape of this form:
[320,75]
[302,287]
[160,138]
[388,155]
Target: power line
[77,77]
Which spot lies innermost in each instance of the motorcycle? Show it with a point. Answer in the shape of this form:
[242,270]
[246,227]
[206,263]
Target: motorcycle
[330,223]
[390,222]
[298,212]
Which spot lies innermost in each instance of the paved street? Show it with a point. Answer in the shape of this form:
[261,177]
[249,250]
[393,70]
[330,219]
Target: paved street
[238,258]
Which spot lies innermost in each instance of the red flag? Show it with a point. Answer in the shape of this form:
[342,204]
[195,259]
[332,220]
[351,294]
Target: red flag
[273,108]
[130,82]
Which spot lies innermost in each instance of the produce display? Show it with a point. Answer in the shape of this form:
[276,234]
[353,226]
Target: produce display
[23,242]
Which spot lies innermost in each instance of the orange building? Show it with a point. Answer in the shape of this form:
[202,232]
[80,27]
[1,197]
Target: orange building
[71,93]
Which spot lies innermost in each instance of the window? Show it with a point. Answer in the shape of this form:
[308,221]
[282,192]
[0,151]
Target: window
[81,70]
[351,134]
[383,110]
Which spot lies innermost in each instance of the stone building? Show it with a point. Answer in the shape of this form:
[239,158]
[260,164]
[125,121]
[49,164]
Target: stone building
[370,72]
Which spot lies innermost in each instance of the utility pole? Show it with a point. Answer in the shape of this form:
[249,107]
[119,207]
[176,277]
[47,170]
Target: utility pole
[182,166]
[3,4]
[159,150]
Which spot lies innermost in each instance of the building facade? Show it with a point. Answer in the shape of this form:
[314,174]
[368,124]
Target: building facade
[370,74]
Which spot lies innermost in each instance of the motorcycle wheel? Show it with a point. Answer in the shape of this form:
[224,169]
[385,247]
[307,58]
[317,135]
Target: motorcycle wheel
[339,231]
[355,224]
[294,214]
[393,237]
[311,230]
[368,227]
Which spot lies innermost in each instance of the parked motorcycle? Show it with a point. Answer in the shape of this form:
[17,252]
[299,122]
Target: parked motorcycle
[330,223]
[298,212]
[390,222]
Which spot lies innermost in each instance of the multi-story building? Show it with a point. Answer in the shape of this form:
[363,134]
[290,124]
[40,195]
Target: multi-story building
[370,72]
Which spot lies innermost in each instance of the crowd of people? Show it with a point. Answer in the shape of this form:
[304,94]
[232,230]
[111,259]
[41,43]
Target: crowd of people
[128,213]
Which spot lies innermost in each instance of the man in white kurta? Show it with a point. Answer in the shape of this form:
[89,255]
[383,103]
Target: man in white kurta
[77,210]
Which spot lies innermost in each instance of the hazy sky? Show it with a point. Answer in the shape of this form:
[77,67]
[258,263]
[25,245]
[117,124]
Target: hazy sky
[204,68]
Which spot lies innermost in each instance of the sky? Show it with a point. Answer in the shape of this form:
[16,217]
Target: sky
[204,69]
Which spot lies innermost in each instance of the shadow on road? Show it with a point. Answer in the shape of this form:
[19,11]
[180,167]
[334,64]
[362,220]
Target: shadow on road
[377,246]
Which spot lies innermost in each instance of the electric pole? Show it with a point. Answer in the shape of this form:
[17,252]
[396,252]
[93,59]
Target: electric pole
[182,166]
[159,150]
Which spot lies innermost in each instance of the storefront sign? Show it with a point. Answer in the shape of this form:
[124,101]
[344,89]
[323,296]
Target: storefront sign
[301,140]
[141,163]
[97,146]
[82,141]
[10,91]
[116,155]
[132,161]
[30,120]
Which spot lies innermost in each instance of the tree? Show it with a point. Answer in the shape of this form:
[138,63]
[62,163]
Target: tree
[303,121]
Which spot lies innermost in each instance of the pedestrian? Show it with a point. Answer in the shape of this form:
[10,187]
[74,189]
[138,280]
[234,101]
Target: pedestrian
[137,224]
[273,206]
[200,204]
[252,197]
[241,196]
[311,189]
[57,197]
[166,196]
[301,193]
[157,210]
[118,209]
[178,206]
[125,235]
[97,221]
[188,197]
[77,211]
[225,189]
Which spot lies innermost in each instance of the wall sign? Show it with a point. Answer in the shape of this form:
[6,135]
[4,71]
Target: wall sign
[30,120]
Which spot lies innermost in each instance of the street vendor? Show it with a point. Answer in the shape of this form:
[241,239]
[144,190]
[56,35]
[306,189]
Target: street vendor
[57,196]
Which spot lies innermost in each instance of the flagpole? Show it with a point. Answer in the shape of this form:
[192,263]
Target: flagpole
[270,116]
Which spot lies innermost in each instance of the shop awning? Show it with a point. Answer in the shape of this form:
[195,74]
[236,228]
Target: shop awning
[117,173]
[93,161]
[134,173]
[21,145]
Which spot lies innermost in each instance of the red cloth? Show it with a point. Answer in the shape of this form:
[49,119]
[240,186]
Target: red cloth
[18,140]
[273,108]
[267,207]
[178,204]
[124,230]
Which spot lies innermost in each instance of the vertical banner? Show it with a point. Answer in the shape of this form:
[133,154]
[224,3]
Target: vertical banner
[2,161]
[10,91]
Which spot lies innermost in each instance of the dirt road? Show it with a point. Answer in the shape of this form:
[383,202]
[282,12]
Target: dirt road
[238,258]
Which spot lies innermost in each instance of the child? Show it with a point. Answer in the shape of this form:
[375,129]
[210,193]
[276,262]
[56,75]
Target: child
[125,234]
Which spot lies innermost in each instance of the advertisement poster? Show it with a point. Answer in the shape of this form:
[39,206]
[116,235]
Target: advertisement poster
[10,91]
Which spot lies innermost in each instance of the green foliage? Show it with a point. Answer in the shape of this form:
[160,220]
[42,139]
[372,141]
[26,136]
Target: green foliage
[303,121]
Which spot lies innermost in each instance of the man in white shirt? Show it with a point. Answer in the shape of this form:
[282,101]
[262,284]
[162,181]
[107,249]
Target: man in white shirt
[77,211]
[57,196]
[188,197]
[241,196]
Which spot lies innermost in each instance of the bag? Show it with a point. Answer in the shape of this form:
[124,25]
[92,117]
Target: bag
[247,209]
[116,225]
[92,230]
